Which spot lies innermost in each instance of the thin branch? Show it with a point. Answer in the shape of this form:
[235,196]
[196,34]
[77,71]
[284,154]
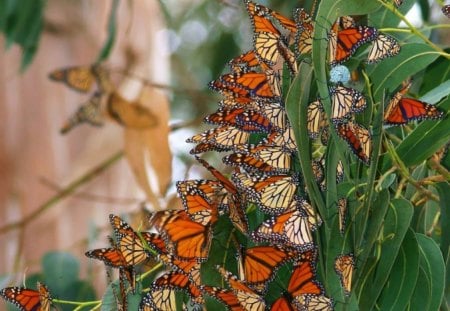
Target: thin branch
[65,192]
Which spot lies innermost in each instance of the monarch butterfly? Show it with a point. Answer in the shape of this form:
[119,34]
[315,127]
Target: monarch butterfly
[263,158]
[344,43]
[186,239]
[197,204]
[225,296]
[254,122]
[249,84]
[237,214]
[269,43]
[290,228]
[325,136]
[248,299]
[246,62]
[446,10]
[28,299]
[301,285]
[344,265]
[314,219]
[358,139]
[190,268]
[344,101]
[130,114]
[402,110]
[276,114]
[162,292]
[383,46]
[89,112]
[130,245]
[342,213]
[313,302]
[318,171]
[221,139]
[284,139]
[273,193]
[303,37]
[260,263]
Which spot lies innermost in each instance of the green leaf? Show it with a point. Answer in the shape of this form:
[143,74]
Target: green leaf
[432,282]
[385,18]
[443,189]
[402,280]
[395,227]
[436,73]
[112,29]
[391,72]
[60,269]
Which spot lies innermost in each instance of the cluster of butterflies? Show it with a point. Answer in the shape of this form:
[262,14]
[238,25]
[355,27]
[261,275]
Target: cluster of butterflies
[252,125]
[104,100]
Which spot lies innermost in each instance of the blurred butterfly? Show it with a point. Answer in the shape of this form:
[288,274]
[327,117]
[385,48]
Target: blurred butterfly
[402,110]
[273,193]
[446,10]
[343,43]
[383,46]
[233,197]
[358,139]
[398,2]
[291,229]
[130,114]
[247,298]
[262,158]
[81,78]
[89,112]
[270,45]
[344,266]
[185,239]
[28,299]
[303,37]
[260,264]
[318,171]
[219,139]
[344,101]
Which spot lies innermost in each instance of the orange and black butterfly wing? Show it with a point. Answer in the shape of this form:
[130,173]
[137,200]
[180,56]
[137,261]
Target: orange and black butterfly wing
[28,299]
[303,281]
[260,263]
[282,304]
[403,110]
[112,257]
[358,139]
[225,296]
[349,40]
[344,266]
[186,238]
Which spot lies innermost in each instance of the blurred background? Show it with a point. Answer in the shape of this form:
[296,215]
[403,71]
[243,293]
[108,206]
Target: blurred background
[56,191]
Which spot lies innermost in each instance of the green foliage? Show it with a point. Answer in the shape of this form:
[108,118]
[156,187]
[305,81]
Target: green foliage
[21,22]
